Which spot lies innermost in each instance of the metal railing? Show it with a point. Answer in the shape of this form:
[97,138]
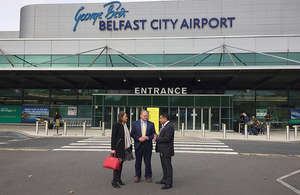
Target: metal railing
[246,131]
[76,121]
[65,125]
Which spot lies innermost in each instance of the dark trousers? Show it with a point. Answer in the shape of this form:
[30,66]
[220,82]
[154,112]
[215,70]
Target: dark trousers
[117,174]
[167,170]
[139,154]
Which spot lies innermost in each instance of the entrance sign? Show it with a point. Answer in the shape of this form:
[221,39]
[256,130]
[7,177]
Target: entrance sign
[161,91]
[261,113]
[154,117]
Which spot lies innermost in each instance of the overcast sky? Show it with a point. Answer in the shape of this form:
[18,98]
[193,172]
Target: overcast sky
[10,10]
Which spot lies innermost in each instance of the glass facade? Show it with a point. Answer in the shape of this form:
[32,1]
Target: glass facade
[157,60]
[276,102]
[222,108]
[10,97]
[192,110]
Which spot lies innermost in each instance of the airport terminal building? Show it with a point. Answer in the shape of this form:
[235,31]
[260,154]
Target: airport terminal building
[201,61]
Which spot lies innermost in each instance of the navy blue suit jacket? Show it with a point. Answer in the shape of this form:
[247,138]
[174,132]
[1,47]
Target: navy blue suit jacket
[136,134]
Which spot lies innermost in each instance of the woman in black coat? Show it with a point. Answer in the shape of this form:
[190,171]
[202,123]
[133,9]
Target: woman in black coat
[121,146]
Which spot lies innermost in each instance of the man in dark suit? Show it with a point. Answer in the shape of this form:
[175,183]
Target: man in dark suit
[165,147]
[143,132]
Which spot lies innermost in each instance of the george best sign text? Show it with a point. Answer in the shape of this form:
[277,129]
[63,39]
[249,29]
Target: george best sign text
[112,19]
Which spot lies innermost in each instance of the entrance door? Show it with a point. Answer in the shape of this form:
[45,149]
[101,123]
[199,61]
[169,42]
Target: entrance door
[174,117]
[201,116]
[115,114]
[97,116]
[133,114]
[215,119]
[208,116]
[193,118]
[185,116]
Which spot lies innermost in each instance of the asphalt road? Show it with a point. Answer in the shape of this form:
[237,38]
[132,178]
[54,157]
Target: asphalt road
[30,166]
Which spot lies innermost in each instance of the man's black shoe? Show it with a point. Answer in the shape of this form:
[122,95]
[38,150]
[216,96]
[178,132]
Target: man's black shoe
[166,187]
[160,182]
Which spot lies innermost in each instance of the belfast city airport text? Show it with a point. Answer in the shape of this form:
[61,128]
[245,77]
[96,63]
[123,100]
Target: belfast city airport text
[157,24]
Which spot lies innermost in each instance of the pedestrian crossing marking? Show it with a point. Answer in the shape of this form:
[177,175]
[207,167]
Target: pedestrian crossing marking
[187,146]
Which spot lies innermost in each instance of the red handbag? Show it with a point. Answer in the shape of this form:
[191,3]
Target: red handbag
[112,162]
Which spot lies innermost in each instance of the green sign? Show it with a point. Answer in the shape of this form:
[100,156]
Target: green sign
[261,113]
[10,118]
[294,121]
[10,114]
[10,110]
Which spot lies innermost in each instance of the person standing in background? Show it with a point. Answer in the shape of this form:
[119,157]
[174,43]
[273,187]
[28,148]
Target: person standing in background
[56,116]
[268,119]
[246,120]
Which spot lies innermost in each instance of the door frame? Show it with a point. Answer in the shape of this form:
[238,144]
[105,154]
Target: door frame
[123,108]
[194,117]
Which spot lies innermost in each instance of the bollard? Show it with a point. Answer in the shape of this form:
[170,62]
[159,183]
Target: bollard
[296,133]
[100,125]
[46,128]
[203,130]
[84,130]
[287,133]
[103,129]
[37,127]
[65,128]
[268,132]
[224,130]
[246,132]
[182,130]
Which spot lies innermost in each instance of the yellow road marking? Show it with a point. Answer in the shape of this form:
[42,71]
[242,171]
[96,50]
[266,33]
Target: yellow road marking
[28,150]
[277,155]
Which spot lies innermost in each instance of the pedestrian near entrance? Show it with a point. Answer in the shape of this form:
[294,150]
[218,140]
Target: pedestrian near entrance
[254,125]
[165,147]
[143,132]
[120,146]
[268,119]
[56,116]
[246,120]
[261,127]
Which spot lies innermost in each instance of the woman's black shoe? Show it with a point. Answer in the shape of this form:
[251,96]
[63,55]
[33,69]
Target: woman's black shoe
[115,185]
[121,182]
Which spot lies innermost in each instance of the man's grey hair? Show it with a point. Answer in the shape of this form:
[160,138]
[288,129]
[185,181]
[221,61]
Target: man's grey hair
[143,111]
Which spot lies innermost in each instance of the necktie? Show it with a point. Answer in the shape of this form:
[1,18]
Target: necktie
[144,128]
[160,130]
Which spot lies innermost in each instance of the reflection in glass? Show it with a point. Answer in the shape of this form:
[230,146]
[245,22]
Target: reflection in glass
[174,117]
[215,126]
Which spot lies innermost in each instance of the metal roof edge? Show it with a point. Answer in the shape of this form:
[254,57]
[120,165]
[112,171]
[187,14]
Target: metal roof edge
[215,68]
[148,38]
